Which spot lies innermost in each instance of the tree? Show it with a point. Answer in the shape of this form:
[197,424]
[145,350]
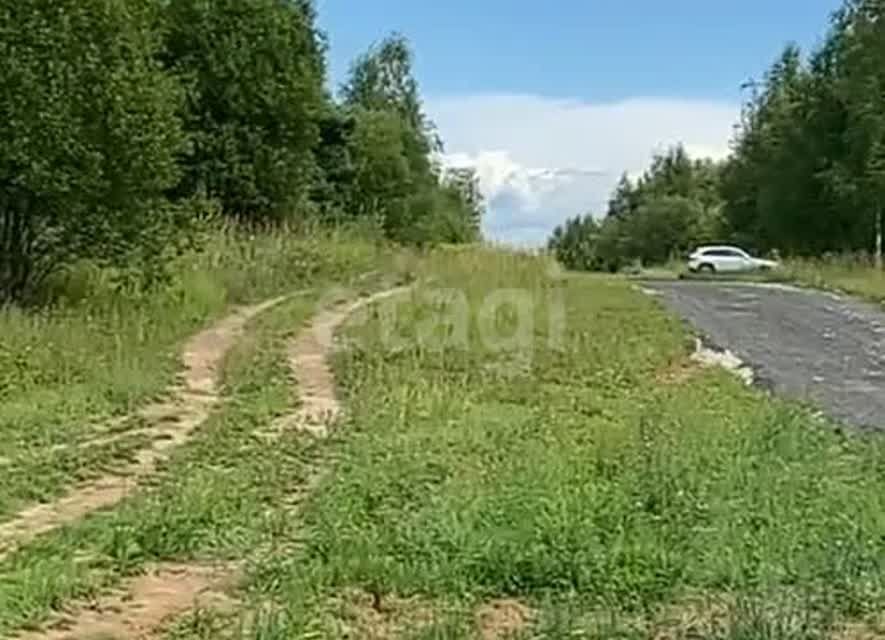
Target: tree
[89,134]
[672,207]
[333,189]
[807,173]
[575,244]
[863,86]
[623,201]
[773,185]
[255,72]
[662,227]
[462,187]
[382,79]
[396,180]
[383,176]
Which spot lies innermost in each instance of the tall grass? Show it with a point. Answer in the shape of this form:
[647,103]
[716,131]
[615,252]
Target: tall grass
[101,349]
[848,273]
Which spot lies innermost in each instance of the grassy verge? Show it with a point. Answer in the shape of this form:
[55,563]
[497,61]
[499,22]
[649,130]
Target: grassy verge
[220,497]
[554,468]
[65,371]
[602,495]
[848,275]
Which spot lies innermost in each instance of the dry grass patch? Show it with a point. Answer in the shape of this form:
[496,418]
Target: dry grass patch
[679,371]
[698,617]
[143,607]
[503,619]
[366,616]
[870,629]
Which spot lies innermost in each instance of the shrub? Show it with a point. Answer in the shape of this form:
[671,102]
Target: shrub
[254,71]
[89,134]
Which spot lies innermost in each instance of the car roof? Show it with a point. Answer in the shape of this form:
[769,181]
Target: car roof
[719,247]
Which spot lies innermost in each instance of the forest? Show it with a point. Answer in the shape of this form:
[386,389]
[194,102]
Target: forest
[127,127]
[805,176]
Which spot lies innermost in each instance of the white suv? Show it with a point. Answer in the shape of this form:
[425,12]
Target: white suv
[725,259]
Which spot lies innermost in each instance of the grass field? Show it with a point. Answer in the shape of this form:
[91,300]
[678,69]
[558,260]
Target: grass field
[67,371]
[606,486]
[524,455]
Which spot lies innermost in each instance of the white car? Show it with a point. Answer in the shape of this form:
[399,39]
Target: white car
[725,259]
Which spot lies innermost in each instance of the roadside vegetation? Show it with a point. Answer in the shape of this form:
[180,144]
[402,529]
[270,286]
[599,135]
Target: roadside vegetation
[853,275]
[66,373]
[804,179]
[522,454]
[599,486]
[191,112]
[193,161]
[585,480]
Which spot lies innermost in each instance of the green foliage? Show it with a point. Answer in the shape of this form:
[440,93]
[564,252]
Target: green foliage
[673,207]
[89,135]
[382,80]
[808,171]
[382,173]
[127,123]
[254,71]
[576,244]
[395,180]
[663,227]
[466,204]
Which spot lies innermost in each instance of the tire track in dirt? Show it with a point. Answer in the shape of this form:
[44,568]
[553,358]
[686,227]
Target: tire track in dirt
[149,600]
[309,361]
[143,607]
[174,420]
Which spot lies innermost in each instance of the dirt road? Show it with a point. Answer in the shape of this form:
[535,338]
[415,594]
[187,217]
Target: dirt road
[808,345]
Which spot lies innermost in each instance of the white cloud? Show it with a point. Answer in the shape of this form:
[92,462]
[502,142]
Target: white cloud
[540,159]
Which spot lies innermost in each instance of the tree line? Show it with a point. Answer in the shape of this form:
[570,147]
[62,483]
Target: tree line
[672,207]
[806,173]
[126,124]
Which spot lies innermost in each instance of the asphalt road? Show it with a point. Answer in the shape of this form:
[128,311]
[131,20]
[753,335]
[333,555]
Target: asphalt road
[808,345]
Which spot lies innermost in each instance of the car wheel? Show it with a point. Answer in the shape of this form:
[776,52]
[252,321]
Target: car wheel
[707,268]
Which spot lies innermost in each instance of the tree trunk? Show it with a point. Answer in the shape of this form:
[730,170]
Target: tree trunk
[17,259]
[879,238]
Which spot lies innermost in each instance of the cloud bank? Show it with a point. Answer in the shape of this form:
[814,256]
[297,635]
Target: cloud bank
[540,160]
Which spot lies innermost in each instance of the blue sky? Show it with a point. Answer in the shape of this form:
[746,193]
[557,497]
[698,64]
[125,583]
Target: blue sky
[553,101]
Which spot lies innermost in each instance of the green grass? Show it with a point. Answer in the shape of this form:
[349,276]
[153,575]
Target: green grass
[570,473]
[578,482]
[220,497]
[847,275]
[102,352]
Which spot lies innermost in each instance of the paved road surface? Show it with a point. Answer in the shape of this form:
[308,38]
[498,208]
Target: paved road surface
[805,344]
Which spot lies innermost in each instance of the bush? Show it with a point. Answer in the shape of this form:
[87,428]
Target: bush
[89,135]
[254,70]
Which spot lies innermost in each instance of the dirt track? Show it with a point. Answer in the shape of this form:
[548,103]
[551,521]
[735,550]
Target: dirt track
[143,606]
[172,421]
[804,344]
